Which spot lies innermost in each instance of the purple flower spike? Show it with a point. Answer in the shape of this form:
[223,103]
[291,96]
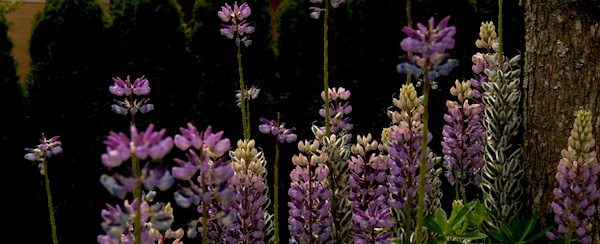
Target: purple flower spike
[283,134]
[310,205]
[430,44]
[368,193]
[577,174]
[238,27]
[462,144]
[147,144]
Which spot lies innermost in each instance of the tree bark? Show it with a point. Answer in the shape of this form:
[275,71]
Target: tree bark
[562,75]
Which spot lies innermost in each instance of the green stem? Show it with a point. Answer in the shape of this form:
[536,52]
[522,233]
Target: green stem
[501,55]
[456,191]
[409,207]
[276,187]
[310,205]
[423,166]
[326,68]
[245,125]
[409,220]
[409,18]
[50,207]
[204,212]
[137,195]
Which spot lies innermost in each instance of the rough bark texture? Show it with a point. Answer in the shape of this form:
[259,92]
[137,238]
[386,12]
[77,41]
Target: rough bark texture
[562,75]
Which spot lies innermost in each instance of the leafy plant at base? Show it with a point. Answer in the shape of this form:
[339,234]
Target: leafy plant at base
[518,231]
[453,229]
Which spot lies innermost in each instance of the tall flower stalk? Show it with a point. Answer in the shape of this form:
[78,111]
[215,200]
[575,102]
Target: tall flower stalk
[239,29]
[282,135]
[148,144]
[337,148]
[463,140]
[46,149]
[310,219]
[402,143]
[502,172]
[342,224]
[253,222]
[577,191]
[371,214]
[431,42]
[131,105]
[207,175]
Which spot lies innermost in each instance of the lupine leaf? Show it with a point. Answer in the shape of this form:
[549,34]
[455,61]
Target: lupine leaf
[471,236]
[508,231]
[528,227]
[498,236]
[538,235]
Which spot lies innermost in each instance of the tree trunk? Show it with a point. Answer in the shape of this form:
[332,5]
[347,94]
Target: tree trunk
[562,75]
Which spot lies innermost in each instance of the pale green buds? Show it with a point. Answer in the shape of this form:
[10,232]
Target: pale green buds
[462,90]
[582,140]
[487,33]
[408,98]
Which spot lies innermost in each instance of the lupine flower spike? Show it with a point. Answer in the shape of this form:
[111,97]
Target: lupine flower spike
[240,29]
[148,144]
[206,174]
[430,59]
[577,191]
[336,145]
[282,135]
[310,219]
[46,149]
[251,201]
[463,139]
[502,172]
[371,214]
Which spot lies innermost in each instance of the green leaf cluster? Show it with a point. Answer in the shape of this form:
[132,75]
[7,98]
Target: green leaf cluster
[463,224]
[518,231]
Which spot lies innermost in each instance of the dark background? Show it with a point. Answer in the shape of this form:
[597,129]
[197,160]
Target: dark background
[193,74]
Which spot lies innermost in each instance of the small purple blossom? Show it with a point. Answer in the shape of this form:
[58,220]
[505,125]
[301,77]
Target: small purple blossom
[283,134]
[212,142]
[140,87]
[430,44]
[45,149]
[238,26]
[251,93]
[338,108]
[316,11]
[149,143]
